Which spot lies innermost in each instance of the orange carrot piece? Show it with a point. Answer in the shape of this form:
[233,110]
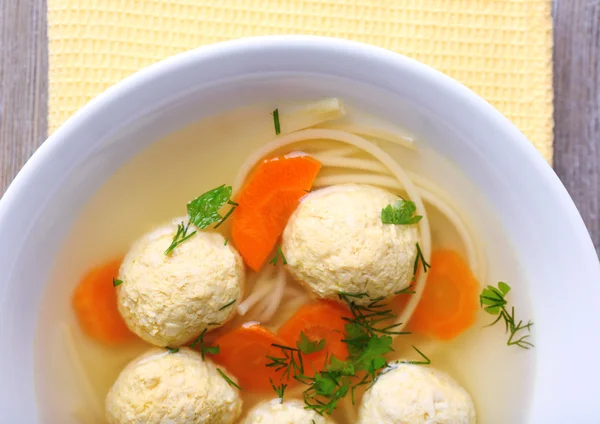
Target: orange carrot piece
[322,320]
[244,351]
[266,203]
[95,305]
[449,303]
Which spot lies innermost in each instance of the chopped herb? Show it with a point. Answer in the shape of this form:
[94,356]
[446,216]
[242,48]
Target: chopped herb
[179,237]
[420,258]
[172,349]
[212,350]
[226,241]
[403,213]
[117,282]
[204,210]
[408,290]
[308,347]
[227,305]
[425,360]
[493,301]
[278,253]
[290,362]
[280,390]
[276,122]
[228,380]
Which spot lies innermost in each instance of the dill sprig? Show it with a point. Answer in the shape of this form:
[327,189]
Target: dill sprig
[117,282]
[276,122]
[369,316]
[420,258]
[229,380]
[179,237]
[290,362]
[279,389]
[204,349]
[278,254]
[172,349]
[227,305]
[493,301]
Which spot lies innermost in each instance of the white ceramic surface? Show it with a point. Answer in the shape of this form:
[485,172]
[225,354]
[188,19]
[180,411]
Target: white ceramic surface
[536,211]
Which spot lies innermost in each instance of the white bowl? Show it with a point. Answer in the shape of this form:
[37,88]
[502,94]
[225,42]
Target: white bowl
[536,212]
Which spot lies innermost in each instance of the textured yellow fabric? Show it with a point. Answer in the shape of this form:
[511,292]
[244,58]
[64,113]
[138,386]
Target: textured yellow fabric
[499,48]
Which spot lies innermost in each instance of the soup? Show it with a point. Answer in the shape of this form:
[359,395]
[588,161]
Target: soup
[288,277]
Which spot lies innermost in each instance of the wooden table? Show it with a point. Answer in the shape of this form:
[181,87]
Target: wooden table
[23,95]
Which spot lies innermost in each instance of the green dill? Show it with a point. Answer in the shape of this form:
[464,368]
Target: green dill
[279,390]
[402,213]
[290,362]
[407,290]
[204,210]
[180,236]
[227,305]
[276,122]
[204,349]
[493,301]
[117,282]
[226,241]
[424,359]
[278,253]
[172,349]
[420,258]
[307,347]
[228,380]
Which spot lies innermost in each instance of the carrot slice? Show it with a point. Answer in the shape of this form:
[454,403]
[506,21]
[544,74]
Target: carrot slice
[449,303]
[244,351]
[95,305]
[266,203]
[322,320]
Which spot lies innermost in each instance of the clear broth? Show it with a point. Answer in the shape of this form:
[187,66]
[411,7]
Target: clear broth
[164,177]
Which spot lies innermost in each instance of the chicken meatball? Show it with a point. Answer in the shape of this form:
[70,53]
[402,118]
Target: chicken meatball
[180,387]
[414,394]
[335,241]
[169,300]
[288,412]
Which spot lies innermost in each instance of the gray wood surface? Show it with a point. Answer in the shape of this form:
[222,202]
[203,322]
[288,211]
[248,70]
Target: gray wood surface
[23,95]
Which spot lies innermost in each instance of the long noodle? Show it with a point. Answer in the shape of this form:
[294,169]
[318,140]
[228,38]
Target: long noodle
[376,180]
[385,159]
[84,381]
[351,163]
[276,297]
[261,289]
[339,151]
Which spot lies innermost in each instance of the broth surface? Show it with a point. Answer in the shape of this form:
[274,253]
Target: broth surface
[155,187]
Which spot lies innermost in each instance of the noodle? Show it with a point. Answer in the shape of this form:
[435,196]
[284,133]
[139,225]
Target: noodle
[385,159]
[370,179]
[339,151]
[275,298]
[261,289]
[351,163]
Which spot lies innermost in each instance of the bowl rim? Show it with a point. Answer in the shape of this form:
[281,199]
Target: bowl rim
[42,160]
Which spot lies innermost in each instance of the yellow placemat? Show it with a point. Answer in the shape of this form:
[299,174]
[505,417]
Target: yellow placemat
[499,48]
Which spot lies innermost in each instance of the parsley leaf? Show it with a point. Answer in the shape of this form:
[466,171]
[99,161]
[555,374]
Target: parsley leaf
[308,347]
[204,210]
[493,301]
[117,282]
[403,213]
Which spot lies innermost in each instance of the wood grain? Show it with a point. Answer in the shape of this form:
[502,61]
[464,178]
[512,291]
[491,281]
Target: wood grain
[23,83]
[577,105]
[23,95]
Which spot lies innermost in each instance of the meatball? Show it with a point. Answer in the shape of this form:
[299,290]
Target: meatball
[288,412]
[169,300]
[335,241]
[181,387]
[413,394]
